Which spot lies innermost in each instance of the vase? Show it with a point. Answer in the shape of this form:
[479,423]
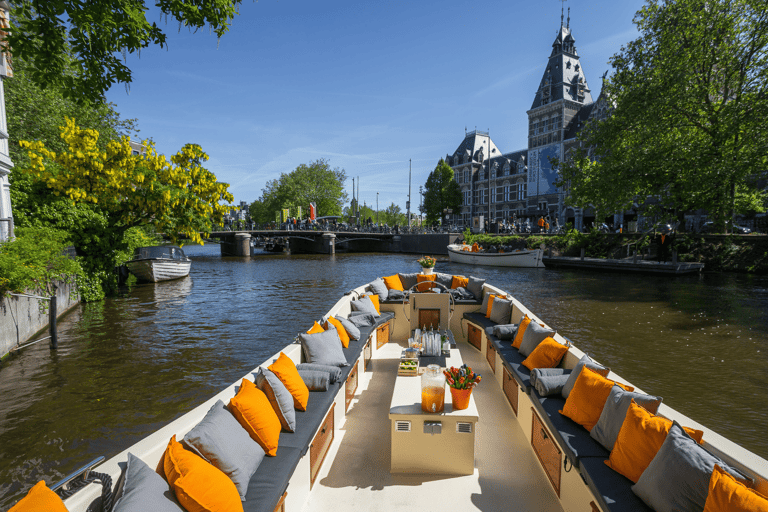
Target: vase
[460,398]
[427,270]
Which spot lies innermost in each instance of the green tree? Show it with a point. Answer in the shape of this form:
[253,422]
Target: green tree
[97,33]
[393,216]
[688,101]
[314,183]
[440,192]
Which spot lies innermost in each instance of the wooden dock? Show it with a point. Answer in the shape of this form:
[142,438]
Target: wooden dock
[627,265]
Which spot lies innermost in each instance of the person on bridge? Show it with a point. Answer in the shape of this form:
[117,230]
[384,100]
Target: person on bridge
[541,223]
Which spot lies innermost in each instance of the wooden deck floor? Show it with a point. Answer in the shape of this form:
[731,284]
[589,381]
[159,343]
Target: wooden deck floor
[356,473]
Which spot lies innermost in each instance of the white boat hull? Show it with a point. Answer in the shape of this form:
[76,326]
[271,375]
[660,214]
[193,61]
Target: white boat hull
[522,259]
[154,270]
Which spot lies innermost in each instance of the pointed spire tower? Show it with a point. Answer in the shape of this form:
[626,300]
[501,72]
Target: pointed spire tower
[561,101]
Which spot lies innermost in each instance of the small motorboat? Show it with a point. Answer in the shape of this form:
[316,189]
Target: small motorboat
[528,258]
[159,263]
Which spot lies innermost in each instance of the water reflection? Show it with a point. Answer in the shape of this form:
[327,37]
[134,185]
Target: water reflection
[129,365]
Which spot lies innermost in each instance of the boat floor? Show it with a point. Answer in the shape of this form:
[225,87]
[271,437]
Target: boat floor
[356,474]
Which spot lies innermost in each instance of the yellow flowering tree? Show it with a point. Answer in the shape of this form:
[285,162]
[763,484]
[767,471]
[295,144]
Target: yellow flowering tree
[180,198]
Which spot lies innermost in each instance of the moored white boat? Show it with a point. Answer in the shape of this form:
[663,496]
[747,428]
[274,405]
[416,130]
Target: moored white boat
[521,258]
[159,263]
[518,461]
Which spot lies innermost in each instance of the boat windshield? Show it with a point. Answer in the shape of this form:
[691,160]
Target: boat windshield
[166,252]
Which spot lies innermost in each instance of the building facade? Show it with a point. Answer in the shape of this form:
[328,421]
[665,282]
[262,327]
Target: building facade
[500,186]
[6,212]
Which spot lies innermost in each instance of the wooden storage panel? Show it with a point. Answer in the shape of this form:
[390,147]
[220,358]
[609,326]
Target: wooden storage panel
[490,355]
[351,386]
[319,447]
[546,450]
[509,385]
[382,335]
[475,336]
[280,507]
[595,508]
[429,318]
[367,354]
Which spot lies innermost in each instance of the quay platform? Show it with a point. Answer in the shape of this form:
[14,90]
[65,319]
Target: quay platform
[625,265]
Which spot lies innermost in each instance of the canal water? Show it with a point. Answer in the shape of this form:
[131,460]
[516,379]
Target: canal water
[127,366]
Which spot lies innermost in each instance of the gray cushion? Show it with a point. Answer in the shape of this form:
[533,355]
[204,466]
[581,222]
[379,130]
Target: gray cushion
[220,439]
[461,293]
[486,298]
[145,490]
[334,372]
[366,306]
[272,386]
[677,479]
[323,348]
[396,295]
[444,279]
[379,288]
[315,380]
[350,327]
[475,287]
[362,319]
[615,410]
[534,334]
[585,360]
[408,280]
[546,385]
[501,311]
[505,331]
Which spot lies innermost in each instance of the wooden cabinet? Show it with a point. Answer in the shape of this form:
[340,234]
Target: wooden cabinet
[367,355]
[280,507]
[429,318]
[546,450]
[382,335]
[490,356]
[510,387]
[475,336]
[351,387]
[319,447]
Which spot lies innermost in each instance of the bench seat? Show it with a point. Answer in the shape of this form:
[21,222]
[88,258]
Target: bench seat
[479,319]
[612,490]
[307,422]
[270,481]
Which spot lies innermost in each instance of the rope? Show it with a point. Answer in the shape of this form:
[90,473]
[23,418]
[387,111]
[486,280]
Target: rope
[106,489]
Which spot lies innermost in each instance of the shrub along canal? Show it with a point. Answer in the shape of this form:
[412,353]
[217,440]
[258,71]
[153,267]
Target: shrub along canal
[129,365]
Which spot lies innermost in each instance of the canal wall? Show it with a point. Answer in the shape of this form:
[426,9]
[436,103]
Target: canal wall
[22,320]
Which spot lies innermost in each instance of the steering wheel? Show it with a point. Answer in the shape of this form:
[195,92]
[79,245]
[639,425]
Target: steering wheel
[451,300]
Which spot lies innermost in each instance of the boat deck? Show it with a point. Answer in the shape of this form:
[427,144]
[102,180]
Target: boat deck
[356,474]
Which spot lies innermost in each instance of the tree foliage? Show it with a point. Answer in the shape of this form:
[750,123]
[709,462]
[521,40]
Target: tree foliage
[440,192]
[98,33]
[314,183]
[393,216]
[688,100]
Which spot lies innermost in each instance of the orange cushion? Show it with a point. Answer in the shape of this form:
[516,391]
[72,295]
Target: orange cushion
[491,296]
[316,328]
[640,437]
[587,399]
[726,494]
[375,299]
[459,281]
[252,409]
[199,485]
[343,335]
[546,355]
[288,374]
[393,283]
[520,332]
[421,278]
[40,497]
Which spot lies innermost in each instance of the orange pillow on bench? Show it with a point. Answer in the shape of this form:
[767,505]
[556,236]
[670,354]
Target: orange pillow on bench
[640,437]
[546,355]
[520,332]
[726,494]
[587,398]
[375,299]
[393,282]
[459,281]
[198,484]
[421,278]
[252,409]
[491,296]
[39,497]
[286,371]
[316,328]
[343,335]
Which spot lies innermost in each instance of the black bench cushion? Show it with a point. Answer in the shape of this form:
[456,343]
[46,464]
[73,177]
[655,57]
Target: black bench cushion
[270,481]
[307,422]
[574,438]
[479,319]
[513,360]
[612,490]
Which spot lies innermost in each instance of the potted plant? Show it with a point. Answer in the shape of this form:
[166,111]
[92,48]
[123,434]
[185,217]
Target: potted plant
[427,264]
[461,381]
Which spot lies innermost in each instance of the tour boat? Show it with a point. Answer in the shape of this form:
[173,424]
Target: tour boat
[459,253]
[159,263]
[366,444]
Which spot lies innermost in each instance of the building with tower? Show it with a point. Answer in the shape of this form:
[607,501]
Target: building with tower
[496,185]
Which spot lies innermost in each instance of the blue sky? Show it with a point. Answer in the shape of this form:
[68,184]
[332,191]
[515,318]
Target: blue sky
[366,85]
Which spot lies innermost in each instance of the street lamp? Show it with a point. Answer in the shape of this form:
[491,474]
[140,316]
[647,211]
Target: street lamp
[377,208]
[421,202]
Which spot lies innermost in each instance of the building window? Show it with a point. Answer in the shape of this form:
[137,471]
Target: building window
[544,125]
[542,205]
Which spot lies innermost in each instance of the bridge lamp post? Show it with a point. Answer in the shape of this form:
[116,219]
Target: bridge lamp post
[377,208]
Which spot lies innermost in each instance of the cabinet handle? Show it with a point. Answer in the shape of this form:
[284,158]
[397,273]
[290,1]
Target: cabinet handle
[323,431]
[543,434]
